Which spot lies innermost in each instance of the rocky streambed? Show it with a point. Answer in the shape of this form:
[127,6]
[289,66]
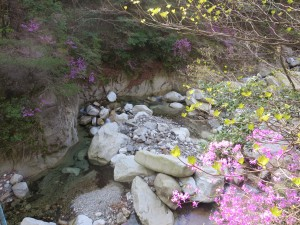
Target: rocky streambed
[124,174]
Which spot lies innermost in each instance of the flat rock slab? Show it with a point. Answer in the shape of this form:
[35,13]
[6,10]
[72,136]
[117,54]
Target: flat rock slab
[126,169]
[32,221]
[148,207]
[166,164]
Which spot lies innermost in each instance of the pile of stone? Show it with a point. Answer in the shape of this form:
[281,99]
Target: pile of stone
[12,184]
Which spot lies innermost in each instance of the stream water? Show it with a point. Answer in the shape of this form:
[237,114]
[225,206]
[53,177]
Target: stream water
[52,192]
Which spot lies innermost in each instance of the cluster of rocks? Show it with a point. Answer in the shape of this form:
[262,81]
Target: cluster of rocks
[138,147]
[12,184]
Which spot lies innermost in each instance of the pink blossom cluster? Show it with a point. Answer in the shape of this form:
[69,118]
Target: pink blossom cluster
[182,48]
[251,206]
[179,198]
[27,112]
[265,135]
[31,26]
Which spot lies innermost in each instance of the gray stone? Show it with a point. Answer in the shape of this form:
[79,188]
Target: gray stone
[85,120]
[176,105]
[162,127]
[173,96]
[92,110]
[140,114]
[188,185]
[166,164]
[150,125]
[106,143]
[121,218]
[94,121]
[115,158]
[111,97]
[126,169]
[99,222]
[94,130]
[128,107]
[32,221]
[293,62]
[207,181]
[122,118]
[71,170]
[20,189]
[196,94]
[83,220]
[204,107]
[83,164]
[148,207]
[16,178]
[104,113]
[141,108]
[164,186]
[123,150]
[181,132]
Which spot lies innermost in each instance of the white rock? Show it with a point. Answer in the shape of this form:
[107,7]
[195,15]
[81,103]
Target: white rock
[94,130]
[141,108]
[181,132]
[106,143]
[123,150]
[148,207]
[128,107]
[166,164]
[126,169]
[207,184]
[112,97]
[32,221]
[176,105]
[140,114]
[122,118]
[104,113]
[94,121]
[115,158]
[83,220]
[99,222]
[85,120]
[20,189]
[92,110]
[162,127]
[173,96]
[16,178]
[164,186]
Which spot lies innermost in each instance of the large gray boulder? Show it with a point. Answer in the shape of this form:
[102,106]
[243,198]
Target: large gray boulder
[20,189]
[164,186]
[166,164]
[32,221]
[207,182]
[173,96]
[188,185]
[126,169]
[106,143]
[148,207]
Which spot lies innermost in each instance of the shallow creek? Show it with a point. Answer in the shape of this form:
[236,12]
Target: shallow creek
[53,191]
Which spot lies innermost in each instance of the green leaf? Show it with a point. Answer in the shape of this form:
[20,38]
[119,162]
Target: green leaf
[192,160]
[229,122]
[275,211]
[175,151]
[216,113]
[217,166]
[263,160]
[246,93]
[164,14]
[278,116]
[260,112]
[250,126]
[241,161]
[296,180]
